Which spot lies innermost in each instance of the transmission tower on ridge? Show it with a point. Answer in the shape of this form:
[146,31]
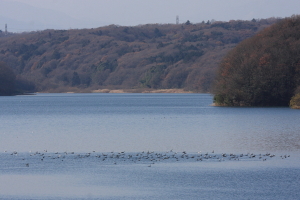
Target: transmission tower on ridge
[177,19]
[5,29]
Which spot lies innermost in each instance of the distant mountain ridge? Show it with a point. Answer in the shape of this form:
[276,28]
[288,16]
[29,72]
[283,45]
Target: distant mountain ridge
[152,56]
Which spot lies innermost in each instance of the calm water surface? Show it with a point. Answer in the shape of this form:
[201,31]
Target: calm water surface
[90,125]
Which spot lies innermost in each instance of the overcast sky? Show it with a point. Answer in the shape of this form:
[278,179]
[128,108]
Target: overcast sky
[31,15]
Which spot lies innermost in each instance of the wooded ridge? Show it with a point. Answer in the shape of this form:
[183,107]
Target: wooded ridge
[154,56]
[263,70]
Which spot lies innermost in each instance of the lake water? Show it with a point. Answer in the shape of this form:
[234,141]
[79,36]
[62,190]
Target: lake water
[145,146]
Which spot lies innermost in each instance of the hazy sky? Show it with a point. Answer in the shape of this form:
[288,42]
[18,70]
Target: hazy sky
[30,15]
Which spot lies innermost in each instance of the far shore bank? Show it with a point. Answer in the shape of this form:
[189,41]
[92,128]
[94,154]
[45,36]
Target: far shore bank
[141,91]
[106,90]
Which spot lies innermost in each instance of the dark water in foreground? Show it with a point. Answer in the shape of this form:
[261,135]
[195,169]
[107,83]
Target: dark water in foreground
[145,146]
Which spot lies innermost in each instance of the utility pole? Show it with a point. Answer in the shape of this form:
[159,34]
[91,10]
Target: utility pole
[5,29]
[177,19]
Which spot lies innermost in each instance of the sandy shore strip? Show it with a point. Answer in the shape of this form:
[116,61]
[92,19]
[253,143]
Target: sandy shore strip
[140,91]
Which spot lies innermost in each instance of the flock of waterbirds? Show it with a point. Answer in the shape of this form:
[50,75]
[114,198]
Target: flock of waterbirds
[148,158]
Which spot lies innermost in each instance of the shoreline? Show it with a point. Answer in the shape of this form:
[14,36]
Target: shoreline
[106,90]
[140,91]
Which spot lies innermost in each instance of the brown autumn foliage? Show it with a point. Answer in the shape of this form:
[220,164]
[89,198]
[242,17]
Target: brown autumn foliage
[263,70]
[157,56]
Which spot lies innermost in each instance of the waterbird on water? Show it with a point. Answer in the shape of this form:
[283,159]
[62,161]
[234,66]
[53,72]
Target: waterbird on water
[149,158]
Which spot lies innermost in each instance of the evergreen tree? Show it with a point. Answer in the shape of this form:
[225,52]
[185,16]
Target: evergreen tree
[7,80]
[75,79]
[187,22]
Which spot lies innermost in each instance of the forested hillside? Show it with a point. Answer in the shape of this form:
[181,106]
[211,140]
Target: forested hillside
[151,56]
[263,70]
